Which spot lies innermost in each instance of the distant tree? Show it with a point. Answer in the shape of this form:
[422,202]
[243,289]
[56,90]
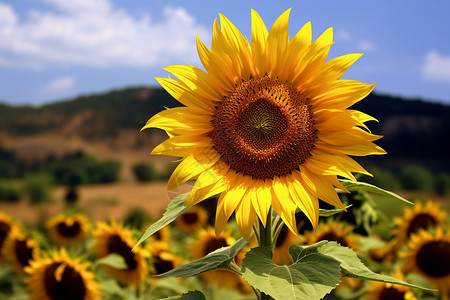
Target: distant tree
[144,172]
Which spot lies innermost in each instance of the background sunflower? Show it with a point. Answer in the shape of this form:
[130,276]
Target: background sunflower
[68,229]
[192,220]
[61,277]
[19,249]
[428,254]
[113,239]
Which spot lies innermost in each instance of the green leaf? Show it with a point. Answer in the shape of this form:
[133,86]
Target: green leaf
[210,262]
[330,212]
[311,276]
[174,210]
[351,266]
[354,186]
[113,260]
[191,295]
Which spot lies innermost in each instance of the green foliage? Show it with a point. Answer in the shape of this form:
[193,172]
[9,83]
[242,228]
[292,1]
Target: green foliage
[175,209]
[11,191]
[107,172]
[385,179]
[350,264]
[442,184]
[311,276]
[37,187]
[136,218]
[144,172]
[218,259]
[416,178]
[191,295]
[356,186]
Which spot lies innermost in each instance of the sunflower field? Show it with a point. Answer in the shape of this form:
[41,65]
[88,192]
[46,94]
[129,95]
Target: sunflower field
[276,208]
[72,258]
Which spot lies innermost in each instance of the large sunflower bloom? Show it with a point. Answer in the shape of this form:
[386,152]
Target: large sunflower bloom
[267,124]
[61,277]
[113,238]
[429,256]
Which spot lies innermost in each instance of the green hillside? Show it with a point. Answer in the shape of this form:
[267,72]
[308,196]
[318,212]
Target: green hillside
[415,131]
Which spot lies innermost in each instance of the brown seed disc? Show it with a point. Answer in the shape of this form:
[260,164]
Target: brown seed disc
[70,287]
[433,259]
[117,245]
[264,128]
[69,231]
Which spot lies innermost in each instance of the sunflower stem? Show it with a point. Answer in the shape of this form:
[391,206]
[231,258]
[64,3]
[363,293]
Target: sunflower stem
[264,237]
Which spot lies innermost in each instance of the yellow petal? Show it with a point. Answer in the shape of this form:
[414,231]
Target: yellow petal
[196,79]
[304,200]
[259,37]
[183,145]
[283,204]
[194,121]
[245,217]
[180,91]
[192,166]
[261,197]
[276,44]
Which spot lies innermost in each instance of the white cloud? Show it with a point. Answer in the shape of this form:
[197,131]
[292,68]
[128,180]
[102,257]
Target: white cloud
[95,33]
[365,45]
[343,35]
[59,87]
[436,67]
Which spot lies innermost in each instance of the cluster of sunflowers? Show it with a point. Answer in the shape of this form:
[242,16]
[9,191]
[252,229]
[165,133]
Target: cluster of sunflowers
[69,261]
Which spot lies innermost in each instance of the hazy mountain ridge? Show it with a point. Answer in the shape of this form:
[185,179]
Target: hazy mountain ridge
[414,130]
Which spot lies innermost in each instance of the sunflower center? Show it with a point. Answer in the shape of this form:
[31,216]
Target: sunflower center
[391,294]
[331,236]
[69,287]
[68,231]
[4,231]
[117,245]
[214,244]
[23,252]
[420,221]
[433,259]
[264,128]
[190,218]
[161,265]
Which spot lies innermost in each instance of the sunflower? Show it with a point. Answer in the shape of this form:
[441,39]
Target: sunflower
[207,242]
[6,226]
[68,230]
[267,124]
[429,256]
[113,238]
[281,251]
[163,260]
[20,248]
[60,277]
[381,291]
[192,220]
[333,231]
[414,219]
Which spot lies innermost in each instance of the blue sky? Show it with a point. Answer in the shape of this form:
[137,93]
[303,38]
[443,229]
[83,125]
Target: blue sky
[57,49]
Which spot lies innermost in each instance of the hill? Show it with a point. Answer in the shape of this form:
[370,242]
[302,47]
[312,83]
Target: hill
[107,125]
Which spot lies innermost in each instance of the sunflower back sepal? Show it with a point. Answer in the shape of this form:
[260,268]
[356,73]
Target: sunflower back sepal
[219,258]
[329,212]
[311,276]
[191,295]
[175,209]
[364,186]
[350,264]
